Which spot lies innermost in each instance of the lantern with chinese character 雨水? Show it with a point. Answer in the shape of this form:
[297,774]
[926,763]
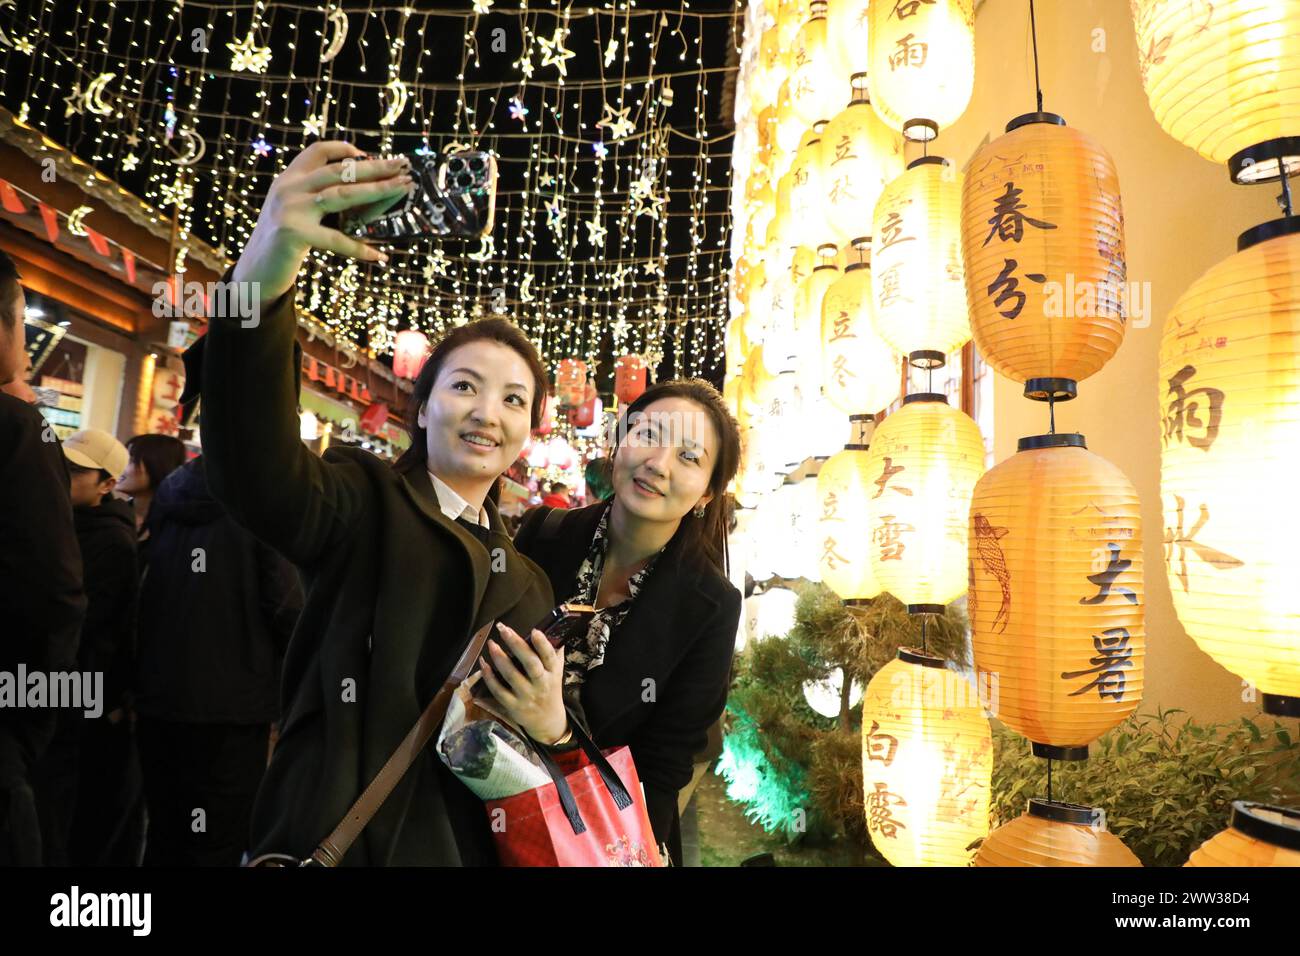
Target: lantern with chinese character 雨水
[1230,408]
[922,63]
[571,381]
[1055,834]
[629,377]
[1257,835]
[844,551]
[1043,243]
[410,349]
[860,373]
[1055,596]
[927,761]
[860,154]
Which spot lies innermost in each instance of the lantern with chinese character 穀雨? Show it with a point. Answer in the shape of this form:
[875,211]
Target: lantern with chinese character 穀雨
[927,763]
[922,63]
[571,381]
[1257,835]
[1230,409]
[1055,597]
[844,551]
[410,349]
[1055,834]
[860,373]
[860,154]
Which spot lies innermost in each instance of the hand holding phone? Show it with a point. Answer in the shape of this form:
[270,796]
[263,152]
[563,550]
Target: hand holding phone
[454,197]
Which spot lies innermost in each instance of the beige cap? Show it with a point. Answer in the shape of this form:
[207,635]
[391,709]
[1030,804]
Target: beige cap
[96,448]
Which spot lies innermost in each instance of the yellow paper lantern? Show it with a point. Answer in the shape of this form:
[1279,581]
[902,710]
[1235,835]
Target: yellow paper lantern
[789,19]
[846,37]
[925,461]
[757,382]
[1224,79]
[1230,410]
[921,57]
[860,373]
[765,129]
[769,71]
[807,205]
[789,127]
[815,91]
[844,551]
[1056,595]
[758,303]
[736,348]
[860,154]
[1257,835]
[1043,241]
[809,296]
[1055,834]
[927,763]
[920,282]
[779,339]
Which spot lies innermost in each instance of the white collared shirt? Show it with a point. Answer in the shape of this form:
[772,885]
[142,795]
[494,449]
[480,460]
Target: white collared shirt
[454,506]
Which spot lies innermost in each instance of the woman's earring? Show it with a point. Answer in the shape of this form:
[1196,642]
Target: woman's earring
[699,512]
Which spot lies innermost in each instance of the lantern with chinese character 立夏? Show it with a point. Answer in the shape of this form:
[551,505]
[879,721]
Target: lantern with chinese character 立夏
[925,461]
[1043,243]
[1055,834]
[410,349]
[927,763]
[844,551]
[860,154]
[920,283]
[1056,596]
[571,381]
[814,87]
[922,63]
[1224,79]
[1230,405]
[629,377]
[846,37]
[1257,835]
[860,372]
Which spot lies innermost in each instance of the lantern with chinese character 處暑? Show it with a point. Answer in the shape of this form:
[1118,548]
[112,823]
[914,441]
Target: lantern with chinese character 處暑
[814,87]
[410,349]
[571,381]
[861,374]
[1055,596]
[925,460]
[916,263]
[1224,79]
[1257,835]
[844,551]
[860,154]
[847,23]
[629,377]
[1230,409]
[921,56]
[1055,834]
[1043,243]
[927,763]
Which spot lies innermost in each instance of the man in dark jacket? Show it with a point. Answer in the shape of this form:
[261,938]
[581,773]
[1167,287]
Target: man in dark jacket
[216,611]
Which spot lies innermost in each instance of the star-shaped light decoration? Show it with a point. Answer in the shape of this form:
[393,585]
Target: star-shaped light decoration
[129,162]
[314,125]
[616,122]
[526,66]
[248,57]
[75,102]
[176,193]
[131,139]
[555,213]
[611,51]
[600,149]
[24,45]
[262,147]
[648,205]
[547,180]
[517,109]
[555,53]
[595,233]
[435,265]
[483,6]
[651,268]
[619,328]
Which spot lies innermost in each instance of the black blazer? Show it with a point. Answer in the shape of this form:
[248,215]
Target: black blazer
[680,635]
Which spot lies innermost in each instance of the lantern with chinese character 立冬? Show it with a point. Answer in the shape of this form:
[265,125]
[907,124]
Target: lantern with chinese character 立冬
[410,349]
[1055,834]
[860,154]
[629,377]
[860,372]
[571,381]
[844,551]
[922,63]
[1257,835]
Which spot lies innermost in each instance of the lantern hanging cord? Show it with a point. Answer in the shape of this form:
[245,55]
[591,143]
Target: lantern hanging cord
[1051,414]
[1285,199]
[1049,779]
[924,648]
[1033,32]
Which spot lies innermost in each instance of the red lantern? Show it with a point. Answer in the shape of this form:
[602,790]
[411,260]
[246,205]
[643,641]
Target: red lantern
[374,417]
[410,349]
[629,377]
[571,381]
[545,424]
[584,415]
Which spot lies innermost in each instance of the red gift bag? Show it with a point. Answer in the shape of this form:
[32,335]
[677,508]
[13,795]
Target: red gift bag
[594,815]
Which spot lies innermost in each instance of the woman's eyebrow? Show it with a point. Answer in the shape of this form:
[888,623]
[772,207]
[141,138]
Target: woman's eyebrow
[471,372]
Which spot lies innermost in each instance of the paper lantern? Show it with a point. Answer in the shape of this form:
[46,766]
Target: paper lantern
[1257,835]
[778,339]
[807,206]
[846,37]
[168,384]
[630,376]
[546,422]
[769,73]
[374,418]
[921,57]
[782,428]
[1230,410]
[1055,834]
[410,349]
[789,127]
[571,381]
[815,90]
[758,311]
[924,463]
[827,429]
[765,129]
[810,293]
[1224,79]
[860,372]
[825,696]
[1043,241]
[308,426]
[919,280]
[844,548]
[775,613]
[583,415]
[1055,595]
[860,154]
[756,381]
[927,763]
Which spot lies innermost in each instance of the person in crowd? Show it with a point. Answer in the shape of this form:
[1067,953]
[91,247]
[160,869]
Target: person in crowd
[596,477]
[653,669]
[153,458]
[403,562]
[40,566]
[558,496]
[21,386]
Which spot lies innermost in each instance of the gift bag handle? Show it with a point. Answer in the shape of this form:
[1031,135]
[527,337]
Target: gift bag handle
[617,792]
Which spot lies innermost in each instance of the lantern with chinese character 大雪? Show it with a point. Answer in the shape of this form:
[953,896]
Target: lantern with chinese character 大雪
[410,349]
[1055,834]
[860,372]
[921,56]
[1257,835]
[1043,243]
[629,377]
[1055,596]
[927,763]
[1230,409]
[860,154]
[571,381]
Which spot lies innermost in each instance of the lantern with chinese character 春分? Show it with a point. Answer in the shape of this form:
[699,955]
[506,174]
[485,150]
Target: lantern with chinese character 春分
[1055,595]
[410,349]
[1055,834]
[1257,835]
[922,63]
[629,377]
[571,381]
[860,154]
[843,549]
[860,372]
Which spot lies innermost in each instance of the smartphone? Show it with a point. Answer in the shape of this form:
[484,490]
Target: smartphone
[455,197]
[562,624]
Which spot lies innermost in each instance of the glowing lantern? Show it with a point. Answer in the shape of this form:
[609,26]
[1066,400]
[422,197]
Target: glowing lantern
[921,56]
[826,427]
[571,381]
[1055,834]
[825,696]
[308,426]
[757,382]
[410,349]
[1230,409]
[770,74]
[920,283]
[925,461]
[1056,598]
[1043,240]
[814,88]
[860,372]
[629,377]
[789,128]
[789,20]
[927,763]
[765,128]
[809,296]
[846,37]
[860,154]
[584,414]
[1257,835]
[547,420]
[844,550]
[774,613]
[758,310]
[807,206]
[735,348]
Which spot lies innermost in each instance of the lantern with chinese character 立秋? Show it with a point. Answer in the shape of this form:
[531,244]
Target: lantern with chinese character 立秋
[1230,405]
[1224,79]
[925,461]
[1055,596]
[814,87]
[920,283]
[927,763]
[571,381]
[629,377]
[847,24]
[860,373]
[1055,834]
[845,558]
[410,349]
[860,154]
[1043,243]
[922,63]
[1257,835]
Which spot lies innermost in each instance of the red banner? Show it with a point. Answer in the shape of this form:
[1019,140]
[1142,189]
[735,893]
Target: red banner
[128,261]
[51,219]
[9,197]
[97,242]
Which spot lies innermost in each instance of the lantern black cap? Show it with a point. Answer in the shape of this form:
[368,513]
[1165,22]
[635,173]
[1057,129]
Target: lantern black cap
[1253,819]
[1028,119]
[1054,440]
[1074,813]
[1265,162]
[1280,705]
[920,130]
[929,161]
[1053,752]
[1286,226]
[1051,389]
[910,655]
[926,359]
[925,397]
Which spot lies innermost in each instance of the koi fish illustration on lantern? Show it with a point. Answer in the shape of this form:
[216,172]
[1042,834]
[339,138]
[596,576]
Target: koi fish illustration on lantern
[994,561]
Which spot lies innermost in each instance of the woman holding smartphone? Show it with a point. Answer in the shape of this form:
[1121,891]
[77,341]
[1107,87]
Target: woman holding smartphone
[652,669]
[400,564]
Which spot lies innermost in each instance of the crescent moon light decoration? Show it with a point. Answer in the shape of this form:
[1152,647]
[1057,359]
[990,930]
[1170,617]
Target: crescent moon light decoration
[75,217]
[195,147]
[94,95]
[339,20]
[398,103]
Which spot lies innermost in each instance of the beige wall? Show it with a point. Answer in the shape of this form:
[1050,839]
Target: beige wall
[1182,215]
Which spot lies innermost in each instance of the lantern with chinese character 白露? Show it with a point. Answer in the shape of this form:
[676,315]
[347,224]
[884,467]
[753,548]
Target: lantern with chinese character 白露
[921,56]
[860,372]
[927,763]
[629,377]
[1230,409]
[410,349]
[847,23]
[1257,835]
[1055,596]
[1055,834]
[1224,79]
[860,154]
[925,461]
[916,263]
[844,551]
[814,87]
[1043,243]
[571,381]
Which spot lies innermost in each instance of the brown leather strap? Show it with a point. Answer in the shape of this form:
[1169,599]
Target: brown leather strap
[333,847]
